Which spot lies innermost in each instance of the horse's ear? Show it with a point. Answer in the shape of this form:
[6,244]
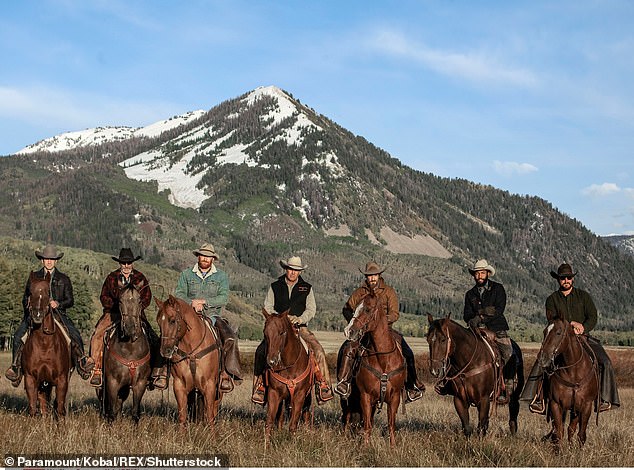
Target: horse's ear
[265,313]
[430,319]
[33,276]
[448,316]
[159,304]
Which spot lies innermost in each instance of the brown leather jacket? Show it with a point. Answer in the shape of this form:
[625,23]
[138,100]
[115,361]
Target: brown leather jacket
[388,300]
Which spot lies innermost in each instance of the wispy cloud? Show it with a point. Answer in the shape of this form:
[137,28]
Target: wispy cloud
[466,65]
[602,190]
[513,168]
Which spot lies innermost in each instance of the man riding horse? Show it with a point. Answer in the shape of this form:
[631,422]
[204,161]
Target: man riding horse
[206,289]
[291,292]
[388,305]
[61,293]
[575,306]
[124,276]
[484,306]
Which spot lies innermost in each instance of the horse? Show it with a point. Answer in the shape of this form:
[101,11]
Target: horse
[126,357]
[381,375]
[289,373]
[46,357]
[462,361]
[194,351]
[573,379]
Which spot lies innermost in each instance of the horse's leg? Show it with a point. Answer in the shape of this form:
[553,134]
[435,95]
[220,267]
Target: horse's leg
[180,393]
[557,417]
[209,394]
[392,408]
[367,412]
[273,405]
[32,393]
[483,416]
[44,398]
[462,409]
[138,390]
[60,396]
[296,410]
[572,426]
[584,419]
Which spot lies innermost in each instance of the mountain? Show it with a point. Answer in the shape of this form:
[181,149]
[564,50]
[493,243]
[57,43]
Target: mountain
[264,176]
[625,243]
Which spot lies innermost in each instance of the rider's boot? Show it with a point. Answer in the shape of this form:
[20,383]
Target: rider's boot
[14,372]
[83,364]
[505,393]
[322,387]
[414,391]
[344,374]
[259,391]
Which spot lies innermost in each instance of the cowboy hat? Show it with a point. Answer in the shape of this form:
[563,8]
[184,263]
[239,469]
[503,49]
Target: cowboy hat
[49,252]
[482,265]
[125,256]
[206,249]
[294,263]
[371,268]
[564,269]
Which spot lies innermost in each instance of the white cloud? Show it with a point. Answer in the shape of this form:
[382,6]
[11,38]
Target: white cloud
[601,190]
[471,66]
[513,168]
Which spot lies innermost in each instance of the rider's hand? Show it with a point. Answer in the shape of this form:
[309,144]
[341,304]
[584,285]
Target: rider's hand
[294,320]
[578,327]
[198,305]
[475,321]
[54,304]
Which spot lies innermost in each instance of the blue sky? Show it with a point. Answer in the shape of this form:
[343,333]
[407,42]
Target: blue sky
[534,97]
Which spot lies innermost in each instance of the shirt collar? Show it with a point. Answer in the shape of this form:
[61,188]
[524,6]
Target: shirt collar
[202,275]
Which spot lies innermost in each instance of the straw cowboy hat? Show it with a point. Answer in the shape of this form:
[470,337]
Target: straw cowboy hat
[49,252]
[206,249]
[563,270]
[294,263]
[126,256]
[371,268]
[482,265]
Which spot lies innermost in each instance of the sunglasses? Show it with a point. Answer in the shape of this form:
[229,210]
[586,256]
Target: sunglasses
[567,278]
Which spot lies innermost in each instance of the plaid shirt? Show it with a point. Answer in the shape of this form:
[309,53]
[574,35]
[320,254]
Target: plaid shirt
[110,291]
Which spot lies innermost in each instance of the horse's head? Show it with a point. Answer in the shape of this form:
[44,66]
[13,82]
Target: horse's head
[277,330]
[440,346]
[365,319]
[171,323]
[555,341]
[130,308]
[39,298]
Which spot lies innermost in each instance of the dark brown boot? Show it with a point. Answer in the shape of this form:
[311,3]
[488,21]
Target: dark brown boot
[259,391]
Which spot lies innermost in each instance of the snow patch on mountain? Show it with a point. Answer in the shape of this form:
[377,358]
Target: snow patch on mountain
[101,135]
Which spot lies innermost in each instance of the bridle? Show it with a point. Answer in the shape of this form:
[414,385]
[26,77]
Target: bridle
[279,360]
[445,362]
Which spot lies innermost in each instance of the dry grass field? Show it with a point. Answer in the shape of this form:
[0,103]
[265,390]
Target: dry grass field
[428,434]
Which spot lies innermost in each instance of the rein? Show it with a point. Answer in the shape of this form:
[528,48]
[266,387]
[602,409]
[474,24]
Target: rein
[557,370]
[291,383]
[192,356]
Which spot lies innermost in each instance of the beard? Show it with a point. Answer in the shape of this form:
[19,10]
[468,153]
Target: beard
[204,264]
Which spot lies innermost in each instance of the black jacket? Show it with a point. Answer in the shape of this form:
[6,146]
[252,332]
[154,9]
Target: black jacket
[61,291]
[494,297]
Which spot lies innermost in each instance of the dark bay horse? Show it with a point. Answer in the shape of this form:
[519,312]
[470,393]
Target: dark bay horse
[463,361]
[46,359]
[573,379]
[289,373]
[126,356]
[381,376]
[194,352]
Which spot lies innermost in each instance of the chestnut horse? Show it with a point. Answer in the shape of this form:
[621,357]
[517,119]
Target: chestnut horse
[289,373]
[126,357]
[381,376]
[464,364]
[573,379]
[46,359]
[194,350]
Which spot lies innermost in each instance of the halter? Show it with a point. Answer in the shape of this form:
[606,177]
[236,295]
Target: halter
[446,362]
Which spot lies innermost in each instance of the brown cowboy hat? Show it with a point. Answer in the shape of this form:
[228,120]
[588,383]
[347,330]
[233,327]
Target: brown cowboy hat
[49,252]
[126,256]
[564,269]
[206,249]
[482,265]
[294,263]
[371,268]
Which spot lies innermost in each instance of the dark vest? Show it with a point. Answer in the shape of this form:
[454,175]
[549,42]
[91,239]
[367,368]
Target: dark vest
[297,302]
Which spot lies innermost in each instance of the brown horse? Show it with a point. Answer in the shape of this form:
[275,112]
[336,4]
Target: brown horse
[188,341]
[573,379]
[46,359]
[381,376]
[464,364]
[289,373]
[126,357]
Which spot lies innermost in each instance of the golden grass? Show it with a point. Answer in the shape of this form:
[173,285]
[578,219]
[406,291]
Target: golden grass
[428,435]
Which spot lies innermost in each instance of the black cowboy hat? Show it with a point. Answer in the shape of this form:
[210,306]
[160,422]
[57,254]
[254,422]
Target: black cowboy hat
[564,269]
[126,256]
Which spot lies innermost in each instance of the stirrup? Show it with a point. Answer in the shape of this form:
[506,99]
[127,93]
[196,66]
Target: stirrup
[537,406]
[259,394]
[226,383]
[96,379]
[605,406]
[324,392]
[413,394]
[14,375]
[158,382]
[343,389]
